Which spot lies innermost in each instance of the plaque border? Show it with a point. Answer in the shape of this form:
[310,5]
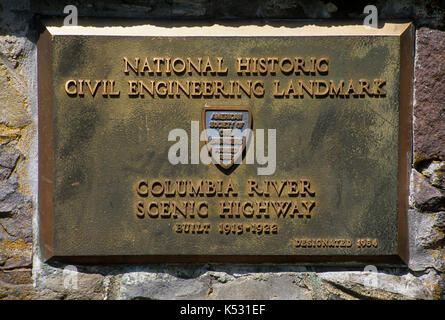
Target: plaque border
[45,144]
[405,33]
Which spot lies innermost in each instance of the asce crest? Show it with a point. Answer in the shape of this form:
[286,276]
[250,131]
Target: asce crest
[227,133]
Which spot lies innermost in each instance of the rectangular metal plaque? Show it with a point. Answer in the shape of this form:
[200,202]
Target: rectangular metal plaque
[241,143]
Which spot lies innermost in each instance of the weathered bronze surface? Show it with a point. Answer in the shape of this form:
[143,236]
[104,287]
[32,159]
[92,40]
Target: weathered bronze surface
[109,97]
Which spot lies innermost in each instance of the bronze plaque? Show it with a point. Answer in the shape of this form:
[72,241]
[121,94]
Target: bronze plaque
[218,143]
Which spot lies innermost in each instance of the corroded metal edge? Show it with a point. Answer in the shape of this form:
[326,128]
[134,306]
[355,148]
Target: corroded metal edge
[45,144]
[263,28]
[405,136]
[155,259]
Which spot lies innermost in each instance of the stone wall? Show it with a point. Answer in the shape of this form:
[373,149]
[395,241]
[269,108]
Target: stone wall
[24,275]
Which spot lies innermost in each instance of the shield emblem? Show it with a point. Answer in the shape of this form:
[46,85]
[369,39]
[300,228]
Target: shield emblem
[227,132]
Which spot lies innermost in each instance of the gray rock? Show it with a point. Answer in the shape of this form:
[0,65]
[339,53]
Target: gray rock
[16,226]
[5,173]
[7,189]
[15,215]
[265,286]
[15,254]
[383,285]
[426,238]
[159,286]
[8,158]
[425,196]
[59,283]
[435,172]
